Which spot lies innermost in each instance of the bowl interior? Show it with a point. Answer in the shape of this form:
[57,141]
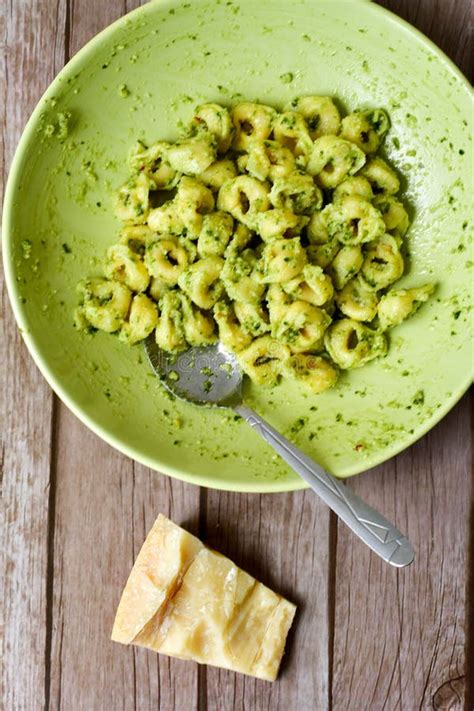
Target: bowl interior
[137,80]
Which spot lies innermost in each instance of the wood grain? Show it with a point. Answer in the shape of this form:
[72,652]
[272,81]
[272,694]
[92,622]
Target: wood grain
[76,512]
[411,623]
[32,39]
[284,541]
[448,23]
[105,505]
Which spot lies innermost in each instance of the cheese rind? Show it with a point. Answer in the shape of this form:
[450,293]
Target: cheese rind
[185,600]
[163,559]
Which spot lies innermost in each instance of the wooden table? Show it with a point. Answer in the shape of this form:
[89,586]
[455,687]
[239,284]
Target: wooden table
[367,637]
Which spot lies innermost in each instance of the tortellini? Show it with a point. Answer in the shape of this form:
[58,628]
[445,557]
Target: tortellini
[263,360]
[352,344]
[141,320]
[277,233]
[365,128]
[396,306]
[123,264]
[201,282]
[105,306]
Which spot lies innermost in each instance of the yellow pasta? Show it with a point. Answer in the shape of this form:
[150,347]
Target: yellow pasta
[105,304]
[357,301]
[166,259]
[352,344]
[302,327]
[354,185]
[239,277]
[381,177]
[296,192]
[124,265]
[201,282]
[217,121]
[199,327]
[320,113]
[333,159]
[193,155]
[311,285]
[278,222]
[283,259]
[192,201]
[231,334]
[133,200]
[252,317]
[251,122]
[396,306]
[291,131]
[142,319]
[277,233]
[154,163]
[263,360]
[315,372]
[353,220]
[346,264]
[244,198]
[383,263]
[216,231]
[218,173]
[393,213]
[169,333]
[366,129]
[267,160]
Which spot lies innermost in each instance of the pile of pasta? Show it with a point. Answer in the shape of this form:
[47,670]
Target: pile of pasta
[277,233]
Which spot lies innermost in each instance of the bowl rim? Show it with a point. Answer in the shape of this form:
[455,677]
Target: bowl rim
[274,486]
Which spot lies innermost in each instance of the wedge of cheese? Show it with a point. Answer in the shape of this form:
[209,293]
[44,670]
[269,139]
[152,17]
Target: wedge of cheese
[185,600]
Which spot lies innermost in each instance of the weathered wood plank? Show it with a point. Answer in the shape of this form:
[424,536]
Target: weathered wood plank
[162,682]
[284,541]
[104,496]
[449,23]
[32,41]
[105,505]
[400,635]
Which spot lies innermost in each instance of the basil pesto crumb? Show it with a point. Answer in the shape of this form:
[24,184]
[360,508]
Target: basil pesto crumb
[298,425]
[419,398]
[26,248]
[287,78]
[123,91]
[173,375]
[207,386]
[66,248]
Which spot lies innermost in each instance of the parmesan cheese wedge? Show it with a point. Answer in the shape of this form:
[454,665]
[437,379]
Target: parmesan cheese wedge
[187,601]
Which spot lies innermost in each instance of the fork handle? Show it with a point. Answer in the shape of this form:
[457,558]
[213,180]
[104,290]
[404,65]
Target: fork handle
[371,527]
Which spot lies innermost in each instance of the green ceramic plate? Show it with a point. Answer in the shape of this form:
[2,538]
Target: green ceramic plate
[137,79]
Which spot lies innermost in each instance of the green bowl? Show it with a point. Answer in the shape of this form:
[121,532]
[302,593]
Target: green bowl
[137,79]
